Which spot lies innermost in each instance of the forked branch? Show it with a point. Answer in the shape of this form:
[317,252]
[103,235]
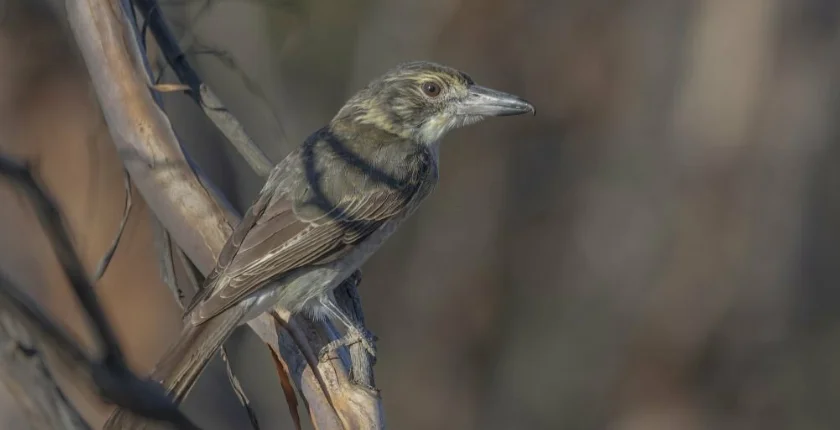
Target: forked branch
[188,211]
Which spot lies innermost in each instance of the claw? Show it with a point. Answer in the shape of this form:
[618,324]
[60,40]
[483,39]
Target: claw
[354,335]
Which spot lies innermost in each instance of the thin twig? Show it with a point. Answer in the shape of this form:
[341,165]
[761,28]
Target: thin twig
[200,92]
[109,254]
[163,245]
[195,285]
[190,213]
[237,389]
[169,277]
[190,271]
[361,361]
[252,86]
[192,278]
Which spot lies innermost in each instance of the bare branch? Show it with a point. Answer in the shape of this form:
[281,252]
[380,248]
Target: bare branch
[110,374]
[237,389]
[109,254]
[191,272]
[288,390]
[188,211]
[292,346]
[361,361]
[356,403]
[143,134]
[50,219]
[163,245]
[200,92]
[168,273]
[23,368]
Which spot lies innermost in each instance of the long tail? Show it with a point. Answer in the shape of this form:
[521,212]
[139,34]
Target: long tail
[183,363]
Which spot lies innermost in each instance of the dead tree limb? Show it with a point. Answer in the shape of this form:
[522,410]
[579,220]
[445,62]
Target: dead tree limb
[188,211]
[26,329]
[24,372]
[199,92]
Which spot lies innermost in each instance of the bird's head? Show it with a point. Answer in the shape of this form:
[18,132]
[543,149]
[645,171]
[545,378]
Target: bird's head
[422,101]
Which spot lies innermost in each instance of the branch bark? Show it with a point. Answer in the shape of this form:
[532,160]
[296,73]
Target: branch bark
[188,211]
[201,93]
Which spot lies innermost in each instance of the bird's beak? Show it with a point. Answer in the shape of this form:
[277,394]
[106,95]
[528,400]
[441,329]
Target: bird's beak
[487,102]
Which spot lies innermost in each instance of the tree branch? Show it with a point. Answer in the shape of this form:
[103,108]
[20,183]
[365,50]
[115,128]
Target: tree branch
[162,174]
[143,134]
[23,368]
[110,374]
[201,93]
[109,254]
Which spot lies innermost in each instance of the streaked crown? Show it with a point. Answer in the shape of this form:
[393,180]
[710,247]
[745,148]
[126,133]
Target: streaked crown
[421,101]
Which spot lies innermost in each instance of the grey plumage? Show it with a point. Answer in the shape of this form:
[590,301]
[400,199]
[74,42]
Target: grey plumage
[320,202]
[328,206]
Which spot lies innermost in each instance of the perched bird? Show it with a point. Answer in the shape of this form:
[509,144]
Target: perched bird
[330,204]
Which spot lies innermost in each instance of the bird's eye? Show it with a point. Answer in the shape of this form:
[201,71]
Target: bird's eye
[431,89]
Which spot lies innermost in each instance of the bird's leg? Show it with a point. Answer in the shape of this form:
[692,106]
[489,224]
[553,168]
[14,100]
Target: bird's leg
[353,332]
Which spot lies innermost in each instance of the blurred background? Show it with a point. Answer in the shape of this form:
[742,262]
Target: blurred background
[657,249]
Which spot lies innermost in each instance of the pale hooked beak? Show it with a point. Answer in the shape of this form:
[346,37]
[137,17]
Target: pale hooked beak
[488,102]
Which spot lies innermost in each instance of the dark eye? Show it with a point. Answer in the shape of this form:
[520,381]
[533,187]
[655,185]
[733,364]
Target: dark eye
[431,89]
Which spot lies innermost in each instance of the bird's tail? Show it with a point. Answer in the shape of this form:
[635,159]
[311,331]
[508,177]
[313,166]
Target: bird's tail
[184,362]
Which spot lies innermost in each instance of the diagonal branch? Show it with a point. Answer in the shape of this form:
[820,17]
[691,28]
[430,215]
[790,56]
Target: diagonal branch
[50,219]
[168,274]
[109,254]
[354,374]
[110,374]
[142,133]
[201,93]
[188,211]
[167,269]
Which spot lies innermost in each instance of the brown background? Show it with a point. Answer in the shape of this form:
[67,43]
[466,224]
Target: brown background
[656,249]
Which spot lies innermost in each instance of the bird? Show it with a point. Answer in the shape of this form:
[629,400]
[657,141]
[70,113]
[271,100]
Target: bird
[329,205]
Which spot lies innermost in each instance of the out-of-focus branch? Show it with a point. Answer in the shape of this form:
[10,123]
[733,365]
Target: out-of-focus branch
[199,91]
[109,254]
[22,366]
[359,363]
[166,256]
[162,174]
[110,374]
[51,221]
[167,269]
[237,389]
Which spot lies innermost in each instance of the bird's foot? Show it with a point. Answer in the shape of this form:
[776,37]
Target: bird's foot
[353,336]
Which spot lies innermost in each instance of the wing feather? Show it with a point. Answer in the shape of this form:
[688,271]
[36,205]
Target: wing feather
[282,232]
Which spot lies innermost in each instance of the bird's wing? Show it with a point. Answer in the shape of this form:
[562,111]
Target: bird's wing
[278,234]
